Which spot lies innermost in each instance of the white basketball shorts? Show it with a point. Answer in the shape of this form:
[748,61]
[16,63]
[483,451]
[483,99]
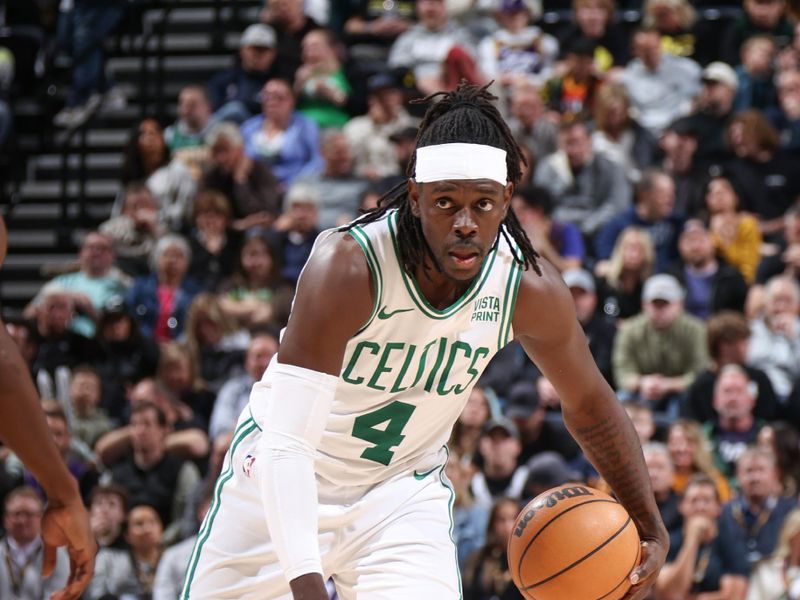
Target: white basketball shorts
[393,542]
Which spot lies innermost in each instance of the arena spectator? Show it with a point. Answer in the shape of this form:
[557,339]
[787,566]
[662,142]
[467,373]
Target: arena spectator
[691,455]
[517,51]
[188,393]
[622,278]
[216,344]
[735,427]
[683,33]
[194,119]
[756,75]
[698,561]
[234,92]
[212,242]
[320,83]
[147,158]
[618,135]
[21,550]
[775,343]
[660,86]
[283,139]
[469,519]
[296,230]
[234,393]
[486,574]
[338,189]
[160,300]
[713,110]
[149,473]
[735,233]
[653,211]
[678,144]
[728,337]
[711,284]
[254,192]
[121,573]
[760,17]
[533,128]
[107,507]
[560,243]
[783,255]
[89,421]
[658,353]
[468,429]
[500,475]
[572,92]
[785,117]
[436,49]
[588,189]
[134,232]
[755,517]
[368,135]
[94,283]
[778,575]
[547,470]
[782,440]
[291,24]
[595,19]
[662,472]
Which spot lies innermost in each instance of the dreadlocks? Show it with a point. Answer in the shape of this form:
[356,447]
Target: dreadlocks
[465,115]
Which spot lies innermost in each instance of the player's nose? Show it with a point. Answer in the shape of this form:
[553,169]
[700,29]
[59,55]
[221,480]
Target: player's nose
[464,223]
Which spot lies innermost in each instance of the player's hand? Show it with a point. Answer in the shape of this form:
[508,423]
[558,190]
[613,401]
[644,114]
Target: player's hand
[68,525]
[309,587]
[643,577]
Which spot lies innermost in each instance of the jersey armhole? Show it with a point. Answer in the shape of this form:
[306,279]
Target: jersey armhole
[362,239]
[506,332]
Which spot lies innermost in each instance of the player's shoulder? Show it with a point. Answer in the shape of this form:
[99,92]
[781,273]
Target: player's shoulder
[337,265]
[543,301]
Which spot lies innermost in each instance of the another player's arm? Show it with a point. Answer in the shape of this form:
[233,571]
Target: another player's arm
[546,326]
[23,429]
[333,300]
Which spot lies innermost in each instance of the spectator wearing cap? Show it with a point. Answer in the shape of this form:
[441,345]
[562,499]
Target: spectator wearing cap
[134,232]
[662,472]
[599,328]
[653,211]
[253,190]
[756,75]
[560,243]
[532,126]
[369,135]
[282,138]
[678,144]
[234,92]
[714,108]
[95,281]
[517,51]
[536,432]
[436,49]
[547,470]
[728,338]
[588,189]
[296,230]
[759,17]
[786,116]
[594,19]
[337,187]
[657,354]
[572,92]
[501,475]
[660,86]
[711,284]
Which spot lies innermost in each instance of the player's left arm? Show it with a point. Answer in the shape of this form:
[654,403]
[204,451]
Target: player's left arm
[546,326]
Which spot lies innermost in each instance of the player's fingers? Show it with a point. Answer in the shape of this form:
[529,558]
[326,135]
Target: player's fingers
[49,562]
[80,575]
[648,564]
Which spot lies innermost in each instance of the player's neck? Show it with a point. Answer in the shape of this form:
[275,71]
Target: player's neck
[439,290]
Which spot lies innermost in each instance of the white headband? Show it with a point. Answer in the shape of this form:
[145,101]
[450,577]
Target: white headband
[461,161]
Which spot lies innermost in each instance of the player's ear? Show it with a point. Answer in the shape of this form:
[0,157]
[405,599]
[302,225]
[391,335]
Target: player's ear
[413,197]
[508,191]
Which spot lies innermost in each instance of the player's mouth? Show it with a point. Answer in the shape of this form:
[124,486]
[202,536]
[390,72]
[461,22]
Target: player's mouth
[465,259]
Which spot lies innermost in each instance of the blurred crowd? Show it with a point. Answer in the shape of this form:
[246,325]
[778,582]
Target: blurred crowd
[662,180]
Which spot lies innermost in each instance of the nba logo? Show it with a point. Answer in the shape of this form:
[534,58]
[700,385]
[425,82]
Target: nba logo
[247,465]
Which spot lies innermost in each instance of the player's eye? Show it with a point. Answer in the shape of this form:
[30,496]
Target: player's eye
[485,204]
[443,203]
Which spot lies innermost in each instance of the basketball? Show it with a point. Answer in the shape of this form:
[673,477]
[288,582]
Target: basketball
[573,542]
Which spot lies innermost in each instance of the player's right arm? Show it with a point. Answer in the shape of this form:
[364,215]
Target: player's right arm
[333,300]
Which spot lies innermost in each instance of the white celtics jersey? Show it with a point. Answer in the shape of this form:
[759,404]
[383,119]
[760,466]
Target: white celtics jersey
[408,372]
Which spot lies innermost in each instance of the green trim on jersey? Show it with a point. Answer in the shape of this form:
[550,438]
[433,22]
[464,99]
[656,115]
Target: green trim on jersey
[446,483]
[419,298]
[245,429]
[513,301]
[374,268]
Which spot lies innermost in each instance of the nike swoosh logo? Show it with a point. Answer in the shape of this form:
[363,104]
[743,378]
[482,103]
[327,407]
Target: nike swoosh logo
[421,476]
[383,315]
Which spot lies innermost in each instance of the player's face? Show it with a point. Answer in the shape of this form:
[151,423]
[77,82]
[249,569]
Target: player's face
[460,220]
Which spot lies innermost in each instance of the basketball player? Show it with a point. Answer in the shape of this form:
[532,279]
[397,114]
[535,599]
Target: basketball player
[24,430]
[336,468]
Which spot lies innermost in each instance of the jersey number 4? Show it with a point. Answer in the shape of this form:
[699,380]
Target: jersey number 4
[366,427]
